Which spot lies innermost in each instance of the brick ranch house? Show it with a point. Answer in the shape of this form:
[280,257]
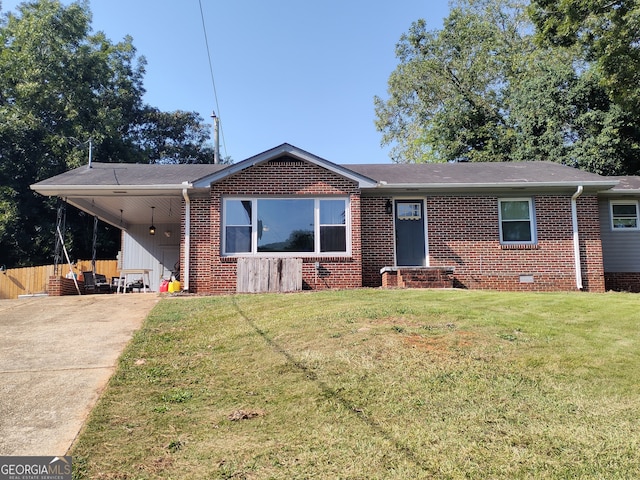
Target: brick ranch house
[532,226]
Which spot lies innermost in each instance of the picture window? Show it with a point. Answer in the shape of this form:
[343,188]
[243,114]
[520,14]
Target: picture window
[284,226]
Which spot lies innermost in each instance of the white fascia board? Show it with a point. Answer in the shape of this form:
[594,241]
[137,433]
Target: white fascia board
[620,193]
[110,190]
[484,186]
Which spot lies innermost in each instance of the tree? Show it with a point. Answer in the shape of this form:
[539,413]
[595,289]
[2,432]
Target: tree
[173,137]
[448,95]
[608,31]
[480,89]
[61,85]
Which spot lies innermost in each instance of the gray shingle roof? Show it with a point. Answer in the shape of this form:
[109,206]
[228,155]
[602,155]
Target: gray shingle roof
[627,184]
[132,174]
[476,173]
[441,175]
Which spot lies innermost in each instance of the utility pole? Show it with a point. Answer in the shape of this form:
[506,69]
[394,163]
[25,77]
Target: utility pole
[216,138]
[90,141]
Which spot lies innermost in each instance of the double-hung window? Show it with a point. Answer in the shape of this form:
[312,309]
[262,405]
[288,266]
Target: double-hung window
[238,224]
[281,226]
[624,214]
[517,221]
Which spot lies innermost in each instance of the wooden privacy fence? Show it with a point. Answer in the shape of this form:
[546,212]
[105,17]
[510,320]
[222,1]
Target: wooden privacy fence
[34,280]
[257,275]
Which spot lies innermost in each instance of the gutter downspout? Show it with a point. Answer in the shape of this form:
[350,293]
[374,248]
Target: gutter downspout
[576,237]
[187,238]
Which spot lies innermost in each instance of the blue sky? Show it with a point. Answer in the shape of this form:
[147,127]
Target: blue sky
[302,72]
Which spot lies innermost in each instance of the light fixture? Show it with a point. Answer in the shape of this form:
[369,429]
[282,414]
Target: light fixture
[388,207]
[152,228]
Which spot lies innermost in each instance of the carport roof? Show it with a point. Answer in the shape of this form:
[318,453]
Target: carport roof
[126,194]
[130,174]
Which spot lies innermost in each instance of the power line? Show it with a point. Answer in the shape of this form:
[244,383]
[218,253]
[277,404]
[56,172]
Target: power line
[213,81]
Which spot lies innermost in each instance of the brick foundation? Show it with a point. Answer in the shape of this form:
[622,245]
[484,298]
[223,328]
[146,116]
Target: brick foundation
[417,277]
[622,281]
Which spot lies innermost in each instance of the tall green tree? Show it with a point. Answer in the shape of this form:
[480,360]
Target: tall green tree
[561,112]
[60,86]
[173,137]
[608,31]
[447,98]
[481,89]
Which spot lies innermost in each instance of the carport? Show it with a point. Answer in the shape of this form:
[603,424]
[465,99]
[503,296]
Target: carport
[135,198]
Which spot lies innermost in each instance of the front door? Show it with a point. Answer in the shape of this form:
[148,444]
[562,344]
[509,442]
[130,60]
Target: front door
[410,233]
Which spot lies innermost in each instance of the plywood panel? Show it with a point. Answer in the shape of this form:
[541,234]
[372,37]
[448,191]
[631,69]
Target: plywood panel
[261,274]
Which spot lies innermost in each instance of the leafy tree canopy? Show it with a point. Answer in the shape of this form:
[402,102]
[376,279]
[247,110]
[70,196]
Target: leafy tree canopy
[61,85]
[481,89]
[608,31]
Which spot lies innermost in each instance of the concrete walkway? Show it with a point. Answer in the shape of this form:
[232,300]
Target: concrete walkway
[56,356]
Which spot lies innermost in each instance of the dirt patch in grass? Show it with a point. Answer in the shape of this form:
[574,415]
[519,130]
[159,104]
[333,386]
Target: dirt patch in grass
[243,414]
[435,338]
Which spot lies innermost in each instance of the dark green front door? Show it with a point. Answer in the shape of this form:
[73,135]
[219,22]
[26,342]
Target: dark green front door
[410,233]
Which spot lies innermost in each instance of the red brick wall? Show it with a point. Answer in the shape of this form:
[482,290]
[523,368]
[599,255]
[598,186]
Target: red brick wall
[200,274]
[60,286]
[463,232]
[378,241]
[275,178]
[592,263]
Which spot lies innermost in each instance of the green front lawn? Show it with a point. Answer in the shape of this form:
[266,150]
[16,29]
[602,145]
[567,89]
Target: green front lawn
[366,384]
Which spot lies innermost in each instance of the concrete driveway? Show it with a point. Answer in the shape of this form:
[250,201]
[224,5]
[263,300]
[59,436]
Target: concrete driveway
[56,356]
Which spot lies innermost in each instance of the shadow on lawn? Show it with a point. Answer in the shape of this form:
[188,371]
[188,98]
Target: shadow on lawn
[332,393]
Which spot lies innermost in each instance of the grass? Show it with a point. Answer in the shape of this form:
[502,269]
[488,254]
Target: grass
[370,384]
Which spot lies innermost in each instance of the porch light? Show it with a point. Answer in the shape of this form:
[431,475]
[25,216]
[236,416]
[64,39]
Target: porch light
[388,207]
[152,228]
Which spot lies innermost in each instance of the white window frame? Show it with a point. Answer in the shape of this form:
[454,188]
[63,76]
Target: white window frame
[316,229]
[612,216]
[532,221]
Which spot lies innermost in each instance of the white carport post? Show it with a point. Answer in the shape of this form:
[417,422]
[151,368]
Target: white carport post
[64,249]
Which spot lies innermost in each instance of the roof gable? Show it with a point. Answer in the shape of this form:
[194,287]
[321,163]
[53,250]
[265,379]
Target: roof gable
[286,152]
